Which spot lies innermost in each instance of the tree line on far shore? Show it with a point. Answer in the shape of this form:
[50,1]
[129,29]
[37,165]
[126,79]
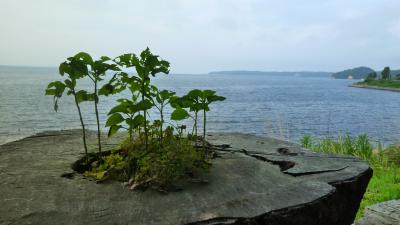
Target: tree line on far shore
[386,74]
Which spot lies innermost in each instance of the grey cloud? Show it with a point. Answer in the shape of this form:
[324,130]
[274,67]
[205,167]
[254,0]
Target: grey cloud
[204,35]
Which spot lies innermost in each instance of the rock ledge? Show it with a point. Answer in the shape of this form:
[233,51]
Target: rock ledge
[255,181]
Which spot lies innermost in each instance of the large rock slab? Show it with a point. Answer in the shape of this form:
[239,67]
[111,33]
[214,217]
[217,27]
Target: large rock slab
[384,213]
[254,181]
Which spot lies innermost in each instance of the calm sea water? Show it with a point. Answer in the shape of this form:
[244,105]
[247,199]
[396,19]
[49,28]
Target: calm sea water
[285,107]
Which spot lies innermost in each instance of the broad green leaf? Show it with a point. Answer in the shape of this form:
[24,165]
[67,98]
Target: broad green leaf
[165,94]
[70,83]
[101,67]
[145,53]
[114,119]
[134,86]
[78,68]
[80,96]
[114,67]
[135,122]
[195,93]
[105,58]
[85,57]
[144,105]
[106,90]
[208,93]
[179,114]
[121,108]
[83,96]
[55,88]
[215,98]
[154,88]
[70,92]
[114,86]
[113,129]
[196,107]
[127,60]
[64,68]
[179,102]
[141,71]
[50,91]
[160,69]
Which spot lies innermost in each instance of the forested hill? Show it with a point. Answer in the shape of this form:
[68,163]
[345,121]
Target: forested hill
[355,73]
[360,73]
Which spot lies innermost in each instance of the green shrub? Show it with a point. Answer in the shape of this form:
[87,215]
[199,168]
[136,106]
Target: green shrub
[306,141]
[161,165]
[151,156]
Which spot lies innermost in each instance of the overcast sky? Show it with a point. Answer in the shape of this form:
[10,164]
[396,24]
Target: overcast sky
[205,35]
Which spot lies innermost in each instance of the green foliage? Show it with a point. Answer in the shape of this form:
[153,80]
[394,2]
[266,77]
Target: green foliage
[372,76]
[384,186]
[206,98]
[84,96]
[395,84]
[145,65]
[385,183]
[96,70]
[190,101]
[126,112]
[56,89]
[152,154]
[160,100]
[111,166]
[77,67]
[195,100]
[306,141]
[179,114]
[74,68]
[386,73]
[393,154]
[161,165]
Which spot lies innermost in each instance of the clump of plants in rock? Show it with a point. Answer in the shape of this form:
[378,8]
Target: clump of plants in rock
[156,153]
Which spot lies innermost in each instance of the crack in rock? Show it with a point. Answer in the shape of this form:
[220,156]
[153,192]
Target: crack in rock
[284,165]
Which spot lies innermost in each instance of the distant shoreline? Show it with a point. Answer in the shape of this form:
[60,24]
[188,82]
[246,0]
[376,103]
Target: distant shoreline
[286,73]
[376,88]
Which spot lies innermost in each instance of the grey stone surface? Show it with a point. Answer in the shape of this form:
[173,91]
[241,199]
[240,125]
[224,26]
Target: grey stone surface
[385,213]
[254,181]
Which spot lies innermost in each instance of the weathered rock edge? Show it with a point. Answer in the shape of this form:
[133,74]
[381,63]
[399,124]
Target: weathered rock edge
[383,213]
[256,181]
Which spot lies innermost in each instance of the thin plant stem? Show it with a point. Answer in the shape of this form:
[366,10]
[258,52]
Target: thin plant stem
[161,125]
[145,115]
[97,115]
[83,128]
[130,131]
[195,123]
[204,129]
